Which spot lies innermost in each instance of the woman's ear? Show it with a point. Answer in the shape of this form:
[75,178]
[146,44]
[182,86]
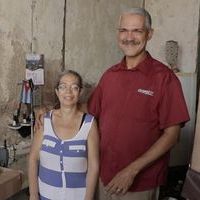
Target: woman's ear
[81,92]
[56,91]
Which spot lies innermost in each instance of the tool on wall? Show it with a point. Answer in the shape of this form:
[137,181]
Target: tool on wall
[24,124]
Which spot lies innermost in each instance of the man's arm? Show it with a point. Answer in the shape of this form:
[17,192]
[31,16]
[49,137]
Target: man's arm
[124,179]
[39,116]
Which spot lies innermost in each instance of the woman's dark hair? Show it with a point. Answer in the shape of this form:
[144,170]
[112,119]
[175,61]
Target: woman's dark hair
[76,74]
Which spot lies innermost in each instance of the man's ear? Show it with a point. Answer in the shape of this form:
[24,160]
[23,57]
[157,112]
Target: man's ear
[150,34]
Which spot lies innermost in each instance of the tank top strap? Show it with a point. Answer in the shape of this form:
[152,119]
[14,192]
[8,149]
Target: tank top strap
[86,126]
[48,129]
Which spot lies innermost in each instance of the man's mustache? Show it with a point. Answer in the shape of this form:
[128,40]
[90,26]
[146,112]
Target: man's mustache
[130,42]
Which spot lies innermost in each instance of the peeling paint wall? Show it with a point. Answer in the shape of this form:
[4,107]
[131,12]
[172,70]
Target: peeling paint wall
[37,25]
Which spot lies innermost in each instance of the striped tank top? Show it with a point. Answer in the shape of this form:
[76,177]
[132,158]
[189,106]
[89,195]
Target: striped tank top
[63,163]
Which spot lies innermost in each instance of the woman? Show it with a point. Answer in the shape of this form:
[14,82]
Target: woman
[64,157]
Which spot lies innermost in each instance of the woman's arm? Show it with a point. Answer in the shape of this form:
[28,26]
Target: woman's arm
[93,162]
[33,163]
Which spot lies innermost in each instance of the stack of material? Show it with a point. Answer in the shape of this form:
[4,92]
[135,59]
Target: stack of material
[10,182]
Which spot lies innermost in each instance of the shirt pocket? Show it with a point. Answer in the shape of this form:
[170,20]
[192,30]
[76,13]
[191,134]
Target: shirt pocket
[49,143]
[78,150]
[144,107]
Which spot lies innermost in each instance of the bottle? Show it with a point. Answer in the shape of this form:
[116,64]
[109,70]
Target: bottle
[24,117]
[15,119]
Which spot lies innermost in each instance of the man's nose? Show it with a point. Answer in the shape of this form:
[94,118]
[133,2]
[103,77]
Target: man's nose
[130,35]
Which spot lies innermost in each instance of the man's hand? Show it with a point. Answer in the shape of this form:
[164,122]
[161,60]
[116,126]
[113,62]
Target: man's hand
[121,182]
[124,179]
[39,115]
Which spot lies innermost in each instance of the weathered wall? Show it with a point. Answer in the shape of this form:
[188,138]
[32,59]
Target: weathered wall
[179,20]
[14,42]
[91,35]
[47,39]
[23,21]
[38,25]
[175,20]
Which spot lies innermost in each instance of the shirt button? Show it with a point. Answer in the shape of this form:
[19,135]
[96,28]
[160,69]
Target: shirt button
[60,151]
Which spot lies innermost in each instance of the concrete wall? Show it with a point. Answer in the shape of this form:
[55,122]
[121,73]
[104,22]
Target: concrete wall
[22,22]
[91,35]
[14,42]
[37,25]
[179,20]
[175,20]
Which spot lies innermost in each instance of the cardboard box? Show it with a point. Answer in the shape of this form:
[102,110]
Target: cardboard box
[10,182]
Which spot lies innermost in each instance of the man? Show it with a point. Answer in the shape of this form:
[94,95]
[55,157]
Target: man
[140,108]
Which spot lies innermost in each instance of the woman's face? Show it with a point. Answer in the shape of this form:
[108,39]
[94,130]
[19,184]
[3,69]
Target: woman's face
[68,90]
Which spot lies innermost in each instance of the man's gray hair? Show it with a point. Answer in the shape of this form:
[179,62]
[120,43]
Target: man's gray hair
[139,11]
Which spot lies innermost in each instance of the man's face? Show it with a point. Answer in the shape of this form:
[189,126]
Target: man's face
[133,35]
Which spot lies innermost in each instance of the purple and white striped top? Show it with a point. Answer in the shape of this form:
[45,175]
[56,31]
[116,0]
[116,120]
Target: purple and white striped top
[63,163]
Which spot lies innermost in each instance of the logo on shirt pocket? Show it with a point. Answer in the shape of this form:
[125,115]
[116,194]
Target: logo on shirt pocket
[146,92]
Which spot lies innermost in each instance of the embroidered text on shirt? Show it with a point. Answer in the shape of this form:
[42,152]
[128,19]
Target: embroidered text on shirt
[146,92]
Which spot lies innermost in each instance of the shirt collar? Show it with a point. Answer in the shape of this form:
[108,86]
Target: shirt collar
[144,66]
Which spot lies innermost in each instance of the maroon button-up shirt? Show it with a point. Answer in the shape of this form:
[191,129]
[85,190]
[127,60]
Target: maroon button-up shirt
[133,107]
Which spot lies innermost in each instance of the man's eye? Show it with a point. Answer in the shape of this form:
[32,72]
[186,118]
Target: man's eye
[139,31]
[122,30]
